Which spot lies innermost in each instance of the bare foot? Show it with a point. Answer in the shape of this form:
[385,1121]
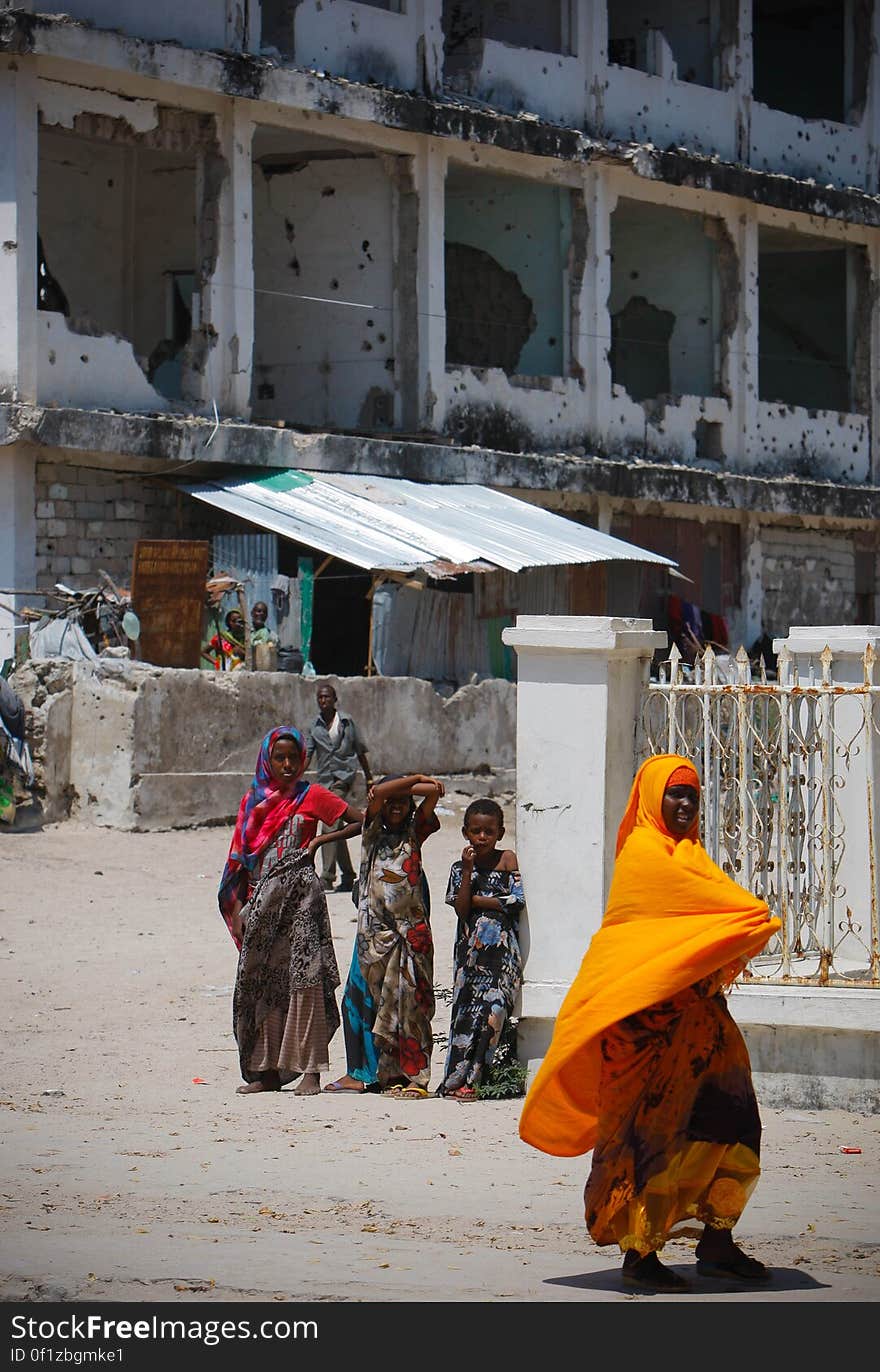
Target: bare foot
[309,1086]
[267,1081]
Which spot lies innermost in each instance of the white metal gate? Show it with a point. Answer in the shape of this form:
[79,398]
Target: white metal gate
[788,805]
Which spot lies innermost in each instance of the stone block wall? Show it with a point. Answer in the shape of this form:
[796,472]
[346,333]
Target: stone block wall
[89,518]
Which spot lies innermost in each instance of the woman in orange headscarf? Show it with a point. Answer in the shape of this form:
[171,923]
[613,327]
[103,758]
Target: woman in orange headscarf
[646,1066]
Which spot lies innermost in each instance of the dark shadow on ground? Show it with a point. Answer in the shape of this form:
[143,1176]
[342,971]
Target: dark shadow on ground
[609,1279]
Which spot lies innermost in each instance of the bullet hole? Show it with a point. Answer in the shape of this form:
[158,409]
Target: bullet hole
[334,284]
[365,248]
[266,391]
[83,357]
[289,230]
[633,276]
[369,323]
[366,347]
[389,364]
[382,340]
[294,265]
[507,228]
[551,342]
[328,190]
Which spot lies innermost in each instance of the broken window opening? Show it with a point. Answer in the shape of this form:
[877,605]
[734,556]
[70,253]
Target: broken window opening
[519,24]
[489,317]
[165,365]
[507,262]
[812,333]
[667,302]
[812,59]
[50,295]
[679,40]
[640,335]
[117,216]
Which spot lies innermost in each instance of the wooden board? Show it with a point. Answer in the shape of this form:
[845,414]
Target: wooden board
[168,596]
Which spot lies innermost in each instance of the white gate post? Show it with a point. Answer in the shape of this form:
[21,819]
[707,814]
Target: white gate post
[860,863]
[579,689]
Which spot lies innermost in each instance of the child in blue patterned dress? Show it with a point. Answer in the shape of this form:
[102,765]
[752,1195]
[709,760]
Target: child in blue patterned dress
[485,889]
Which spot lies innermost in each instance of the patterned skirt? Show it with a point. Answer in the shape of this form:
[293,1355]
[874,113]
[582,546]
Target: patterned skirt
[679,1129]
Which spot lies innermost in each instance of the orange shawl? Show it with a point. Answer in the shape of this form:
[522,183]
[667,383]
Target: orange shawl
[672,918]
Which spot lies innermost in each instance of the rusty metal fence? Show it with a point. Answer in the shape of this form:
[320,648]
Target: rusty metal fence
[789,809]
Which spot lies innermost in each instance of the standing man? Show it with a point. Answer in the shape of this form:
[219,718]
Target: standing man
[337,747]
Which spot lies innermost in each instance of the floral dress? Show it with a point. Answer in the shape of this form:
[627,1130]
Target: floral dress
[388,1002]
[487,974]
[284,1001]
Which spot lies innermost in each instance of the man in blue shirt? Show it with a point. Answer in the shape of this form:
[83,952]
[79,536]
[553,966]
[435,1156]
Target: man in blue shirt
[337,748]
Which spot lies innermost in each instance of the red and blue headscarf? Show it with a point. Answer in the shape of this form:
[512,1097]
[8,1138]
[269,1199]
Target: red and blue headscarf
[265,807]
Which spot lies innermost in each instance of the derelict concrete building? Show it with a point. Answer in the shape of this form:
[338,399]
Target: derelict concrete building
[620,259]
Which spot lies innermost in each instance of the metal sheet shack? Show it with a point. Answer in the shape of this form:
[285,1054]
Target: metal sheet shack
[402,578]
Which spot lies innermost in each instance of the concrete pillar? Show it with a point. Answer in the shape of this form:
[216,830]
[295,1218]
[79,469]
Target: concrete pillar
[753,583]
[595,321]
[18,231]
[590,22]
[856,747]
[429,23]
[743,79]
[579,688]
[227,304]
[874,345]
[18,534]
[429,175]
[740,377]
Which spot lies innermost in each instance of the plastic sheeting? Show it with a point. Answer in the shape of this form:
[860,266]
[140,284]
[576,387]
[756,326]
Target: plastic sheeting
[60,638]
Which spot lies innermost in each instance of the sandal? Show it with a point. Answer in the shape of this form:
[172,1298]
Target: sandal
[463,1093]
[410,1092]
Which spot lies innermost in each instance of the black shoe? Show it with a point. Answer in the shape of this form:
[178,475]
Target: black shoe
[346,884]
[649,1274]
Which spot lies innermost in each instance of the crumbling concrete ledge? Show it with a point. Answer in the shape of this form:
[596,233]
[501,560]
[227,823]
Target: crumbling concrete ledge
[154,441]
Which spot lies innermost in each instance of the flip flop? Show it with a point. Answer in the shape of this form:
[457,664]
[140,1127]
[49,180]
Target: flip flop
[409,1093]
[335,1089]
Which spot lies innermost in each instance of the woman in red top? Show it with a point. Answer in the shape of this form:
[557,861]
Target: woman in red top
[284,1006]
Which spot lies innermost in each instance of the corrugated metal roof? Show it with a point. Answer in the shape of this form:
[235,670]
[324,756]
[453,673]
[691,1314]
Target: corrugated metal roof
[385,523]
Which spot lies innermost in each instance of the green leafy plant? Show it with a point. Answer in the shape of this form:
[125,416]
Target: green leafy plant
[507,1076]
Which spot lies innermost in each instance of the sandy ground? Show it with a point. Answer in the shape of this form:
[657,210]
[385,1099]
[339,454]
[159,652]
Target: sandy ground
[123,1179]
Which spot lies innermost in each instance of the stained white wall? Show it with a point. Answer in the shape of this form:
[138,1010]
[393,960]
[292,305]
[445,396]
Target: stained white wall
[198,24]
[397,47]
[323,231]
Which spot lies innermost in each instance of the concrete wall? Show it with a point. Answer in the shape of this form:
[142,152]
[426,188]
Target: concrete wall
[206,24]
[323,251]
[137,747]
[808,577]
[86,518]
[394,44]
